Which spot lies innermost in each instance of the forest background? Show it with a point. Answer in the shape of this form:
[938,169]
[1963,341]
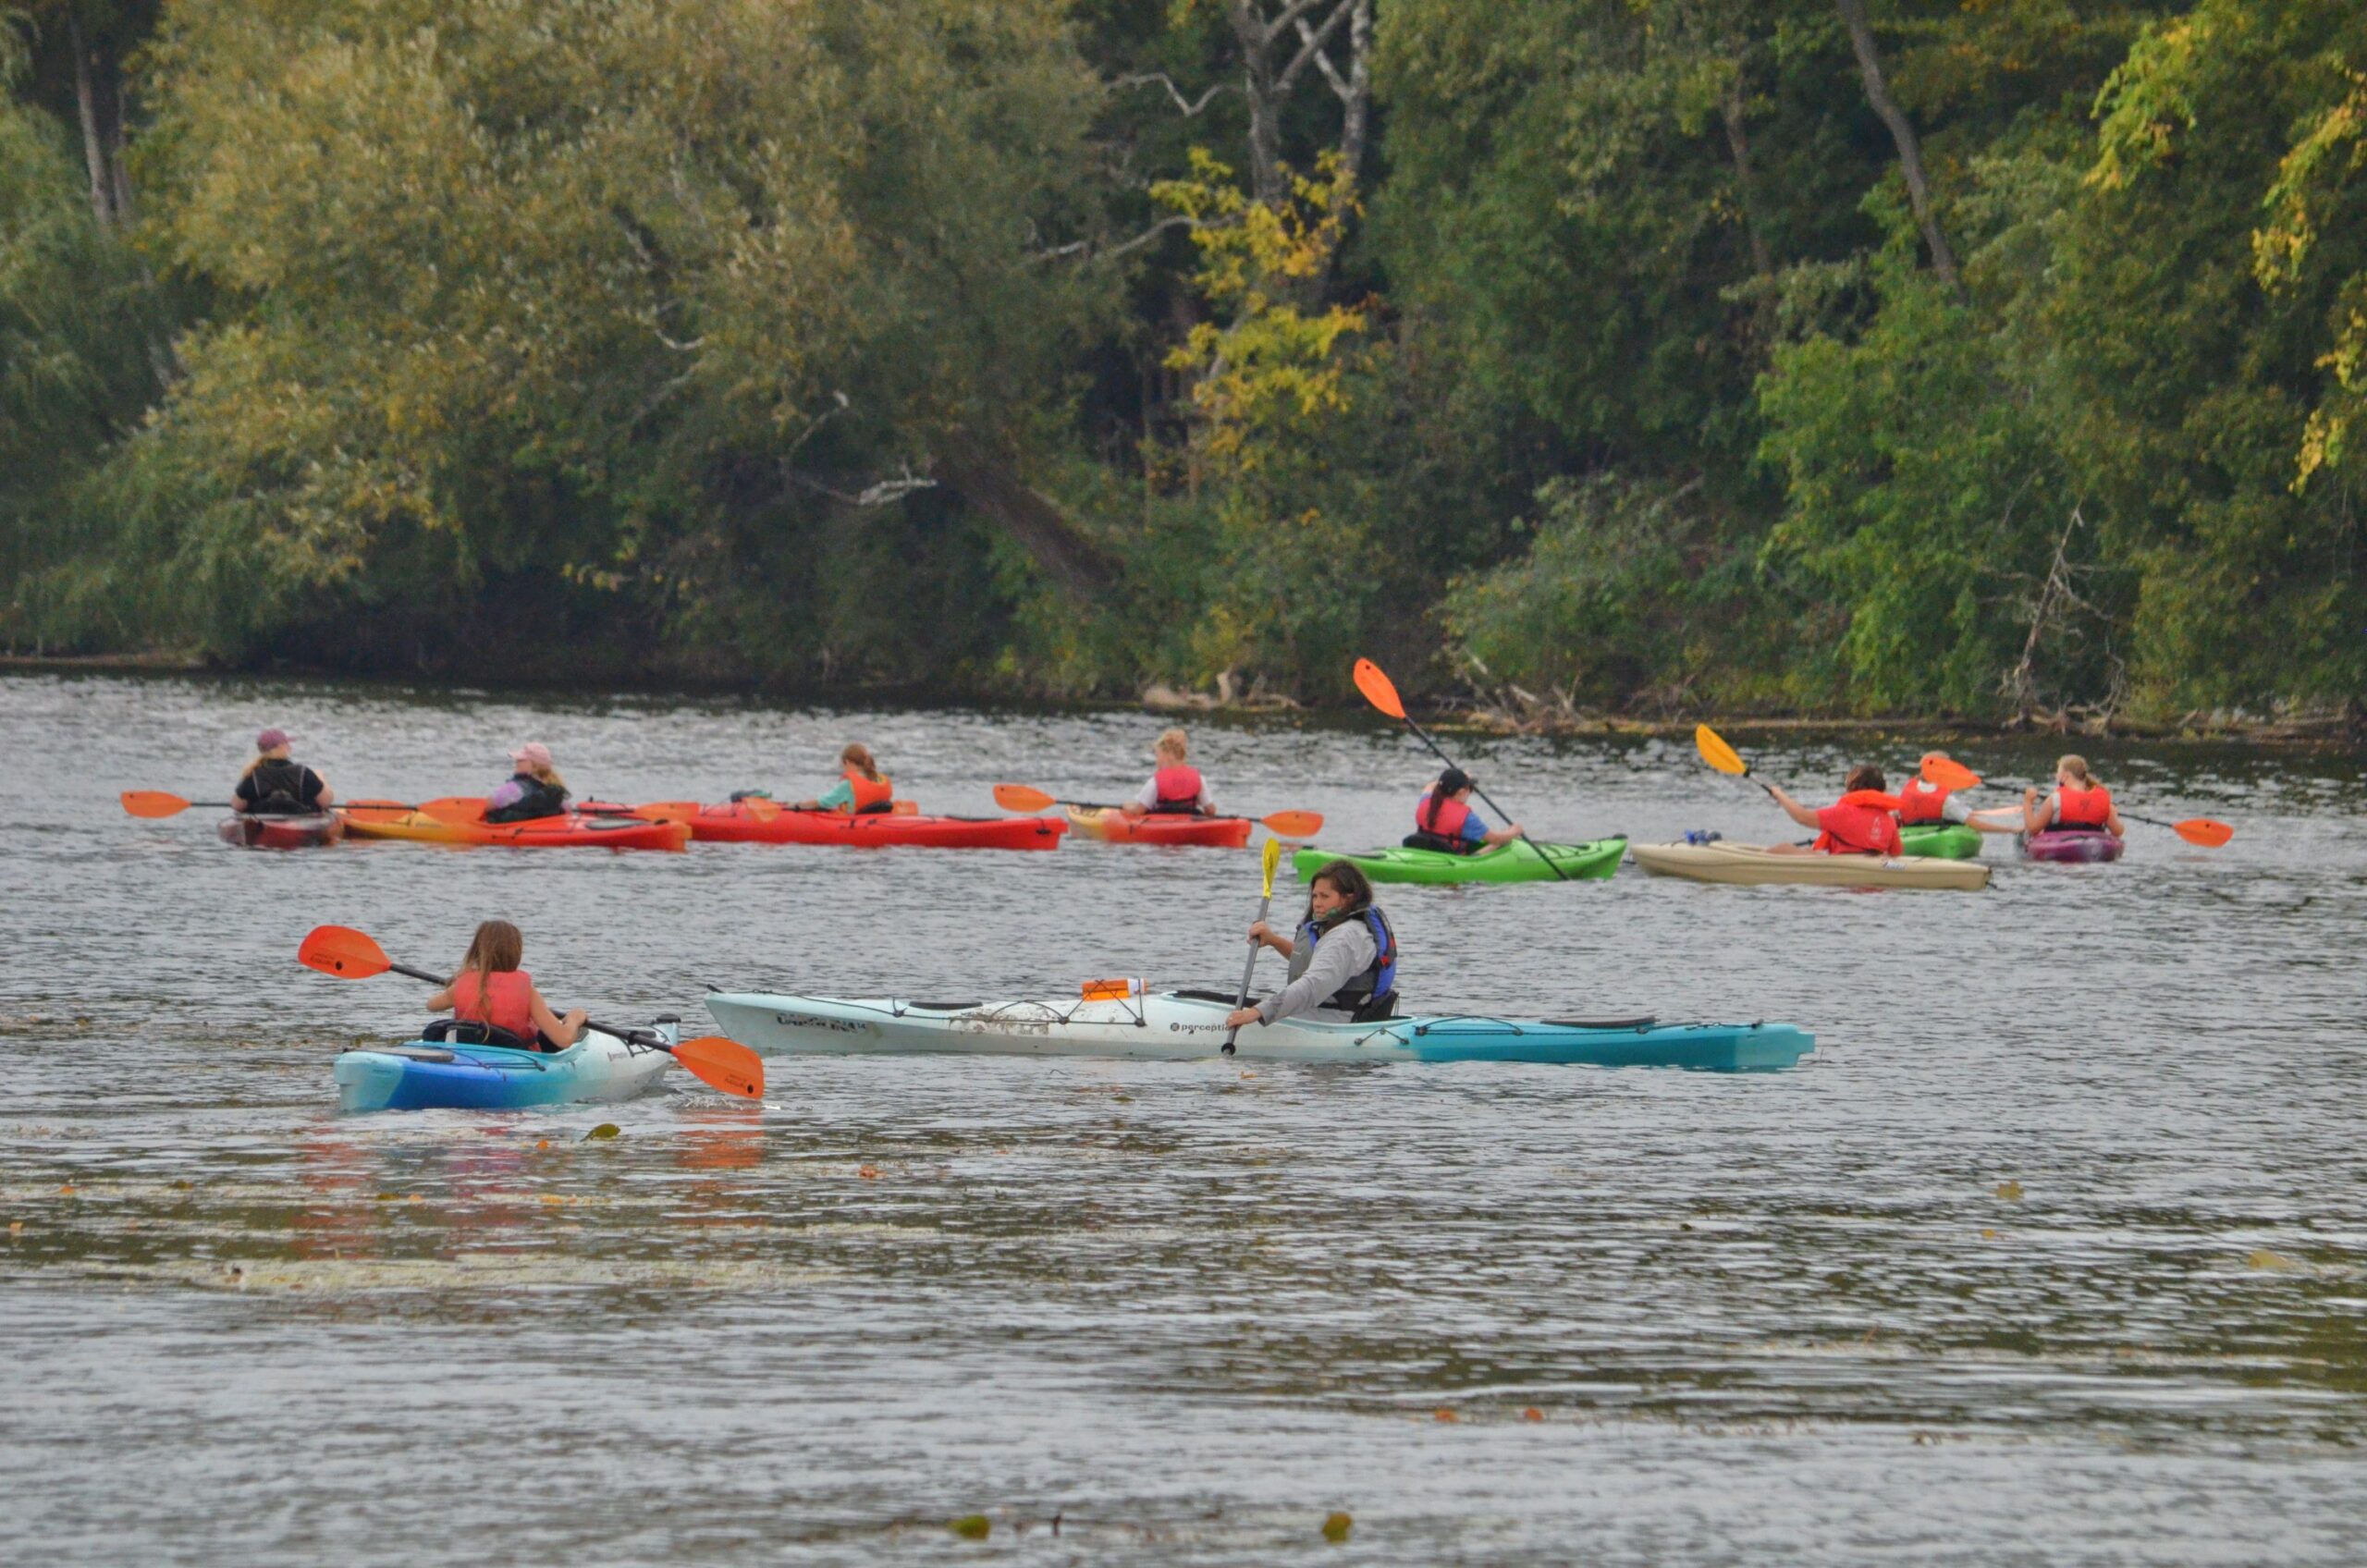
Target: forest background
[1985,357]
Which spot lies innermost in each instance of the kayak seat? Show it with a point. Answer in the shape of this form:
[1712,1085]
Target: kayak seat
[468,1032]
[1419,840]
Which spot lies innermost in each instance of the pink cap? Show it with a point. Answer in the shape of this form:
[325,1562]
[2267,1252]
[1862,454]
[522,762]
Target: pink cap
[271,739]
[533,753]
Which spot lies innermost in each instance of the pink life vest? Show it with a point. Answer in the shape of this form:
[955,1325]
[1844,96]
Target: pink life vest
[505,1001]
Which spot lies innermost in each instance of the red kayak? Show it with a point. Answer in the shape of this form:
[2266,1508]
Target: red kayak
[1114,827]
[299,832]
[734,824]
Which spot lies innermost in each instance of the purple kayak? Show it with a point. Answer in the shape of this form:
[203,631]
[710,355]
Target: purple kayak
[2071,844]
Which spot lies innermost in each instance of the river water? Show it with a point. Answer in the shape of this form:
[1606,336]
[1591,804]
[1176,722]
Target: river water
[2053,1252]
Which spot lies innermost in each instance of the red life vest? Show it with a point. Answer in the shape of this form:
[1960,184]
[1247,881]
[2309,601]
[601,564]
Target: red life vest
[2083,808]
[870,795]
[1445,818]
[1920,802]
[507,1001]
[1176,789]
[1859,822]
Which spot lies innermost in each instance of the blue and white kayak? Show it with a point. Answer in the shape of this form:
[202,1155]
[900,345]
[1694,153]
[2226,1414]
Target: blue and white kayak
[426,1074]
[1189,1026]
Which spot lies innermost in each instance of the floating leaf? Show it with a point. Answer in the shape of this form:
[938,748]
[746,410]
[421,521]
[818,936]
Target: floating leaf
[971,1527]
[1336,1528]
[1530,1412]
[16,1226]
[868,1173]
[1443,1413]
[2010,1191]
[542,1143]
[606,1130]
[2263,1258]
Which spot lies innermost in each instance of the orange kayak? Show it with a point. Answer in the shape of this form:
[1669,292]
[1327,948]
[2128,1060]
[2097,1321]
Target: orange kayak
[575,829]
[734,822]
[1113,825]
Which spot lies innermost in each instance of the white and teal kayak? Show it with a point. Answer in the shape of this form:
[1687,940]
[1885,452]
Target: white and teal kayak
[1189,1026]
[426,1074]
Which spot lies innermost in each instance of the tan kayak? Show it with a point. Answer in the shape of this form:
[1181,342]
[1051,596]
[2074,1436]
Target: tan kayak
[1751,865]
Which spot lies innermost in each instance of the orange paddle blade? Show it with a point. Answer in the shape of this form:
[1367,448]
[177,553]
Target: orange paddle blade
[1019,797]
[2203,831]
[668,811]
[1949,774]
[455,808]
[1378,689]
[727,1064]
[152,803]
[344,952]
[1295,824]
[762,809]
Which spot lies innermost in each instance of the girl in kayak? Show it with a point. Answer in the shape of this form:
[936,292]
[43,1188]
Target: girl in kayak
[275,785]
[861,789]
[1862,822]
[1923,803]
[534,788]
[1344,958]
[491,989]
[2079,804]
[1177,788]
[1443,819]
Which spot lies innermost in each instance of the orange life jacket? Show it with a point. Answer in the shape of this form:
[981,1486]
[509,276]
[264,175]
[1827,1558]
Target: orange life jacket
[1859,822]
[505,1001]
[870,795]
[2083,808]
[1176,789]
[1920,802]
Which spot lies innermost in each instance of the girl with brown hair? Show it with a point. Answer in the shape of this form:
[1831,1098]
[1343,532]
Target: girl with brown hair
[862,788]
[491,989]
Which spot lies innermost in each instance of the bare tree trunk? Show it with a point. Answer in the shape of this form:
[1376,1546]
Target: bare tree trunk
[1745,183]
[986,480]
[1269,76]
[1902,133]
[94,146]
[1264,111]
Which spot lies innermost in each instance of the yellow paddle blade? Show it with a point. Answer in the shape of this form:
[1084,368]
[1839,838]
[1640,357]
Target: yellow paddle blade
[725,1063]
[1947,773]
[1378,689]
[1717,753]
[152,803]
[1273,858]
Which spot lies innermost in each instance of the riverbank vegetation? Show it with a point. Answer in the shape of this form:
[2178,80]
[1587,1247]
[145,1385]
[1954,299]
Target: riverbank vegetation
[1647,356]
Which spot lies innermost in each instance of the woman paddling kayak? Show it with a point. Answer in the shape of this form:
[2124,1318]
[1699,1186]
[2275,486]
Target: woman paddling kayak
[533,790]
[2080,804]
[1343,959]
[1443,819]
[275,785]
[493,992]
[1922,803]
[1177,788]
[861,789]
[1862,822]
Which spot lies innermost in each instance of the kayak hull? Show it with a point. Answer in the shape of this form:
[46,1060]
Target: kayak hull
[308,831]
[1112,826]
[1943,840]
[1514,861]
[1751,865]
[2074,847]
[734,822]
[573,830]
[1189,1026]
[430,1076]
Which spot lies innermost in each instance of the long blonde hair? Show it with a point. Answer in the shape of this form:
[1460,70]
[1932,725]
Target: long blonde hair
[496,948]
[1172,743]
[2078,767]
[858,756]
[547,776]
[278,753]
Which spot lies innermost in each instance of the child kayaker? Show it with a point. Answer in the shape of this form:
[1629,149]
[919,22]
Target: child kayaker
[1922,803]
[861,789]
[1344,958]
[1177,788]
[1862,822]
[2080,804]
[491,989]
[275,785]
[534,788]
[1443,819]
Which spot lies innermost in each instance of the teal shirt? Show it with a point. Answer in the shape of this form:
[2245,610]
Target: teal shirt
[838,797]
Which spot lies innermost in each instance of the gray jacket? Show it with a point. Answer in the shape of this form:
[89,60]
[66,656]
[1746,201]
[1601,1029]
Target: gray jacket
[1317,971]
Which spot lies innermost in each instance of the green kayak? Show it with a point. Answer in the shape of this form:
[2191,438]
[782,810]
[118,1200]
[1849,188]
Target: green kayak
[1514,861]
[1941,840]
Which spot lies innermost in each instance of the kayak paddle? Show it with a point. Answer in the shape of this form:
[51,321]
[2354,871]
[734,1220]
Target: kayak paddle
[1019,797]
[1273,858]
[727,1064]
[1724,758]
[1381,692]
[1950,774]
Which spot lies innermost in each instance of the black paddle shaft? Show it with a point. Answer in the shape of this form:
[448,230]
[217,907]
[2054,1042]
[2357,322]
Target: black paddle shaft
[637,1037]
[1423,735]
